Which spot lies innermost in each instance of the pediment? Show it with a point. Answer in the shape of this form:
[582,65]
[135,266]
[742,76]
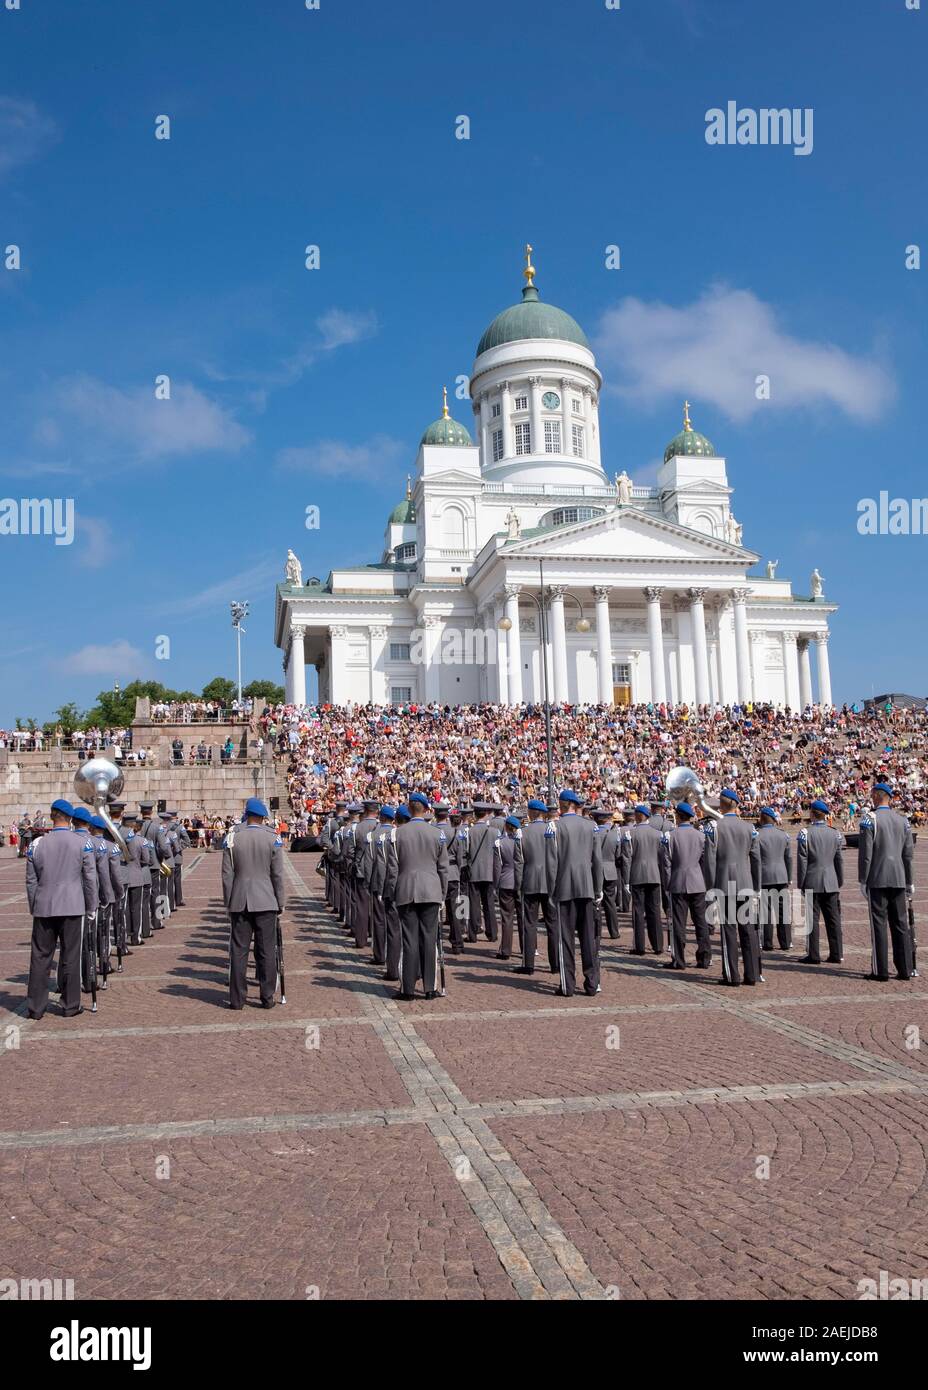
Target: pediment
[628,533]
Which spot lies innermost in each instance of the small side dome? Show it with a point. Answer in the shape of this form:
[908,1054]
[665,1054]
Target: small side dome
[404,514]
[689,441]
[445,430]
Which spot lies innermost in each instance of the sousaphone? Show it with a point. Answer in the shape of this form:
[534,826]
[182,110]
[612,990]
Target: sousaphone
[684,785]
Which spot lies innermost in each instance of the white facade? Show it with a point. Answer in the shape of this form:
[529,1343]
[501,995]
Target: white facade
[647,592]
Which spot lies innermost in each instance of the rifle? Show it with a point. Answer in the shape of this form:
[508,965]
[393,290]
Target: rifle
[280,962]
[89,956]
[440,949]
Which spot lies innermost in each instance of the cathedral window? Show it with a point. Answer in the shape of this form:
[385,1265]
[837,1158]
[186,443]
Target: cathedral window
[406,551]
[399,651]
[497,445]
[521,402]
[566,516]
[495,411]
[400,694]
[552,436]
[523,439]
[577,440]
[576,406]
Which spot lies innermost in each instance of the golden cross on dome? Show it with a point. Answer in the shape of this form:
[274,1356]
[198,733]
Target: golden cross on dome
[444,407]
[529,271]
[686,416]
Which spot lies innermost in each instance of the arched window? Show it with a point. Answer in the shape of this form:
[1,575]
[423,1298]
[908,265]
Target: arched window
[566,516]
[704,522]
[452,529]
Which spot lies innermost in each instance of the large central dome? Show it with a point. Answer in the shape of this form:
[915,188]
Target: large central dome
[531,319]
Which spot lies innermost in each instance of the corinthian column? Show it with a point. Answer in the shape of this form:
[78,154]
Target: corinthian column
[700,650]
[514,644]
[559,641]
[824,670]
[805,673]
[603,644]
[656,643]
[742,652]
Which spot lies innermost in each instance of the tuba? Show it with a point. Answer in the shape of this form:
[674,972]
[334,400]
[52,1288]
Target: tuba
[96,782]
[684,785]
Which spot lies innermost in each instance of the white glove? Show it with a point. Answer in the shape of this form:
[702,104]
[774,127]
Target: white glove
[863,891]
[910,891]
[628,888]
[598,900]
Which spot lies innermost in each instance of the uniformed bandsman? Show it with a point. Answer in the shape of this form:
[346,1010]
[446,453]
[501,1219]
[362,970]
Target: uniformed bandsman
[418,884]
[253,894]
[820,871]
[61,889]
[181,841]
[450,821]
[121,877]
[611,849]
[481,850]
[642,848]
[539,872]
[776,874]
[884,871]
[507,881]
[138,870]
[107,855]
[152,828]
[733,876]
[363,862]
[684,877]
[378,878]
[578,887]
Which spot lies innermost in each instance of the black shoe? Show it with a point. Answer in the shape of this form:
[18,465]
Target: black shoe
[903,977]
[30,1014]
[268,1003]
[126,952]
[562,993]
[637,953]
[807,960]
[500,956]
[672,965]
[457,950]
[432,994]
[882,978]
[74,1013]
[523,970]
[403,998]
[835,960]
[236,1008]
[703,964]
[392,978]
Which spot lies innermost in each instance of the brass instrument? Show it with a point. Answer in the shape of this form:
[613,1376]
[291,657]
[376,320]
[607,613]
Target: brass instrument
[684,785]
[97,782]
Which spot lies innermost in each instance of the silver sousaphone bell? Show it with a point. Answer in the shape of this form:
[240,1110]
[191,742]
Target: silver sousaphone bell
[97,782]
[684,785]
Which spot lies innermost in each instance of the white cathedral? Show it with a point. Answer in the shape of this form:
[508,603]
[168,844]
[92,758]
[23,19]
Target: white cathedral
[514,567]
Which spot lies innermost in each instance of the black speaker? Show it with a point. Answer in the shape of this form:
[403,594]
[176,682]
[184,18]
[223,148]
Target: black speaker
[275,803]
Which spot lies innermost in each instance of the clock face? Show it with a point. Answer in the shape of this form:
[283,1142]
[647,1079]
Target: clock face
[551,400]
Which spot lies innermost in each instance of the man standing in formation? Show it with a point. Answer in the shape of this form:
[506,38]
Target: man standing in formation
[733,874]
[642,847]
[61,889]
[539,872]
[418,883]
[253,894]
[884,872]
[684,879]
[578,887]
[820,871]
[611,850]
[776,872]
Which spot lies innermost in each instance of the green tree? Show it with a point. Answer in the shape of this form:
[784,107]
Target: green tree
[69,717]
[265,690]
[220,689]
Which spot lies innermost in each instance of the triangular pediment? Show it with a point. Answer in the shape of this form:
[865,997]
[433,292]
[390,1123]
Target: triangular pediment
[627,533]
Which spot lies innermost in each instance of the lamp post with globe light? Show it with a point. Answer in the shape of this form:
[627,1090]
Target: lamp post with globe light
[583,625]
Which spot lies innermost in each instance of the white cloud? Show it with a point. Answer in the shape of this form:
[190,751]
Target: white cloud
[118,659]
[96,546]
[222,591]
[25,133]
[338,328]
[712,351]
[134,422]
[335,458]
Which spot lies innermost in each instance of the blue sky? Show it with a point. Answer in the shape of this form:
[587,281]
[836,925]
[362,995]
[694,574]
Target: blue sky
[291,387]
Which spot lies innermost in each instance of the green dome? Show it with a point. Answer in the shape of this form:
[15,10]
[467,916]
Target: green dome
[689,441]
[446,431]
[531,319]
[404,514]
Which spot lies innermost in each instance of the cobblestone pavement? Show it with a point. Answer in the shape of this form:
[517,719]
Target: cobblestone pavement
[666,1139]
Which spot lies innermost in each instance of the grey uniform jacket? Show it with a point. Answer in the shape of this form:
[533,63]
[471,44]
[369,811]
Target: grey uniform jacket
[642,847]
[776,856]
[819,866]
[732,856]
[683,860]
[418,871]
[579,860]
[120,870]
[539,858]
[885,850]
[509,863]
[378,873]
[362,849]
[328,832]
[157,835]
[138,870]
[611,850]
[107,854]
[662,822]
[457,851]
[481,841]
[183,839]
[61,875]
[252,870]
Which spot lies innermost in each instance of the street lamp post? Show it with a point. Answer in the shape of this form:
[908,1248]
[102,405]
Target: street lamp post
[583,625]
[239,612]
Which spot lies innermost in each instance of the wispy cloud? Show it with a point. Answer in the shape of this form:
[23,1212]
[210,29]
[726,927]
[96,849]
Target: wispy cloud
[336,328]
[712,351]
[25,133]
[117,422]
[117,659]
[222,592]
[31,468]
[96,545]
[335,457]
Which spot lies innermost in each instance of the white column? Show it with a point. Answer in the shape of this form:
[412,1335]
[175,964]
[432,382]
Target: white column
[714,695]
[805,673]
[296,668]
[824,670]
[742,653]
[482,410]
[514,644]
[378,662]
[288,673]
[559,641]
[502,655]
[656,644]
[433,628]
[337,686]
[566,390]
[603,644]
[700,650]
[791,670]
[506,422]
[538,435]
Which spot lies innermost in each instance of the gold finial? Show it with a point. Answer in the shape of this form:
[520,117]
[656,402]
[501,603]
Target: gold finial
[687,425]
[408,486]
[444,403]
[529,271]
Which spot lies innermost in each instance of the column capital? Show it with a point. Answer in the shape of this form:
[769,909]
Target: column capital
[512,590]
[337,630]
[378,632]
[697,595]
[757,635]
[431,620]
[556,592]
[601,592]
[740,595]
[790,636]
[822,638]
[653,593]
[534,380]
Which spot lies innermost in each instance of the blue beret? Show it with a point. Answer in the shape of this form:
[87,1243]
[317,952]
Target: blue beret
[254,807]
[98,822]
[884,787]
[387,811]
[514,822]
[419,798]
[570,796]
[643,810]
[402,813]
[685,807]
[82,814]
[728,795]
[769,812]
[63,806]
[820,806]
[537,806]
